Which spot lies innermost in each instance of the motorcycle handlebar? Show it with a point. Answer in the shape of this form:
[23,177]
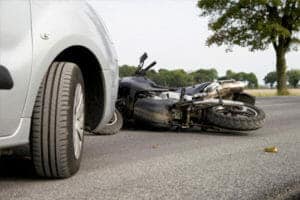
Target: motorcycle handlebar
[150,66]
[140,71]
[144,71]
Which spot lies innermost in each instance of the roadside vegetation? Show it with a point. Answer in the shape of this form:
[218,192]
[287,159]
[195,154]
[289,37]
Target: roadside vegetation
[293,78]
[181,78]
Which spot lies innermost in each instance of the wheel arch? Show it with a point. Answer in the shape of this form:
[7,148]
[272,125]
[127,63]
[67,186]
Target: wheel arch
[93,76]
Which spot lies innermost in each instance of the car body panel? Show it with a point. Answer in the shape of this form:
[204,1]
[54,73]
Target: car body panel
[59,25]
[16,55]
[19,137]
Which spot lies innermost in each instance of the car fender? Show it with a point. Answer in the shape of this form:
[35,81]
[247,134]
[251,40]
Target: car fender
[58,26]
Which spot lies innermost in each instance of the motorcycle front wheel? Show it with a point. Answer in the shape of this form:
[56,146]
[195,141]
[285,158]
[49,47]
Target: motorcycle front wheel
[114,126]
[239,118]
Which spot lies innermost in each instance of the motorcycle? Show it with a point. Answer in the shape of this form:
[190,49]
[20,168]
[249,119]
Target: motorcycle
[219,104]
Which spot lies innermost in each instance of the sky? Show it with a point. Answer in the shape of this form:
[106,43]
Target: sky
[173,34]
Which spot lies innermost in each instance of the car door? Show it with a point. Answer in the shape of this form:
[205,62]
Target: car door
[16,56]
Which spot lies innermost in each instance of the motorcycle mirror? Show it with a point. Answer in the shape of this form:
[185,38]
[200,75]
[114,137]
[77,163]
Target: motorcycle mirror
[6,81]
[143,58]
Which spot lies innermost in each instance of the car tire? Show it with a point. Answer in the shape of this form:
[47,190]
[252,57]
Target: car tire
[113,127]
[58,122]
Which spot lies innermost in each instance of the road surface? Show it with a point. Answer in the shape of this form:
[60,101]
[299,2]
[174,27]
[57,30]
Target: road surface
[171,165]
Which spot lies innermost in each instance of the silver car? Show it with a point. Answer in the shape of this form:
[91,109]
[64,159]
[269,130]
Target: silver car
[58,77]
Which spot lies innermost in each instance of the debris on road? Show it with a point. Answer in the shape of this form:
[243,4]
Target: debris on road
[271,150]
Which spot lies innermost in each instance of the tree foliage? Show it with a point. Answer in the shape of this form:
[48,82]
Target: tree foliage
[293,77]
[204,75]
[271,79]
[126,70]
[255,24]
[172,78]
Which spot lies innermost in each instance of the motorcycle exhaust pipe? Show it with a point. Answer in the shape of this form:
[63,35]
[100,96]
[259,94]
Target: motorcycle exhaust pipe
[216,102]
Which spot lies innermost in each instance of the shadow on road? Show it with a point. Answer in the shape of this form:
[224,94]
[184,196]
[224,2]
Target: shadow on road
[198,131]
[16,168]
[216,132]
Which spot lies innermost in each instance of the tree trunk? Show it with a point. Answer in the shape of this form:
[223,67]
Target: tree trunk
[281,72]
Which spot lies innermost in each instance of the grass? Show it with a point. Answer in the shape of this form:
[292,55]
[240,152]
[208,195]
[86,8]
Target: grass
[271,92]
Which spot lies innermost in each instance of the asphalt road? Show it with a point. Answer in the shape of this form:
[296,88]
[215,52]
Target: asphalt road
[172,165]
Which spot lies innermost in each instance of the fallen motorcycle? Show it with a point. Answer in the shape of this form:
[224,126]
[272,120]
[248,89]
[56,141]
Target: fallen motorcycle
[220,104]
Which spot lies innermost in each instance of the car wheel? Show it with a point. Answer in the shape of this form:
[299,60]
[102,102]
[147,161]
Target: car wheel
[58,122]
[113,127]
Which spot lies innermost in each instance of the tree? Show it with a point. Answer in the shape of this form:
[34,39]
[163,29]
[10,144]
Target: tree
[172,78]
[204,75]
[271,79]
[126,70]
[293,77]
[256,24]
[252,80]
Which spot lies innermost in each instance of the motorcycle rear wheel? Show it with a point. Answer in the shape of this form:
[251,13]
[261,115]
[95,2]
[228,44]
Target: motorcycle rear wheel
[239,118]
